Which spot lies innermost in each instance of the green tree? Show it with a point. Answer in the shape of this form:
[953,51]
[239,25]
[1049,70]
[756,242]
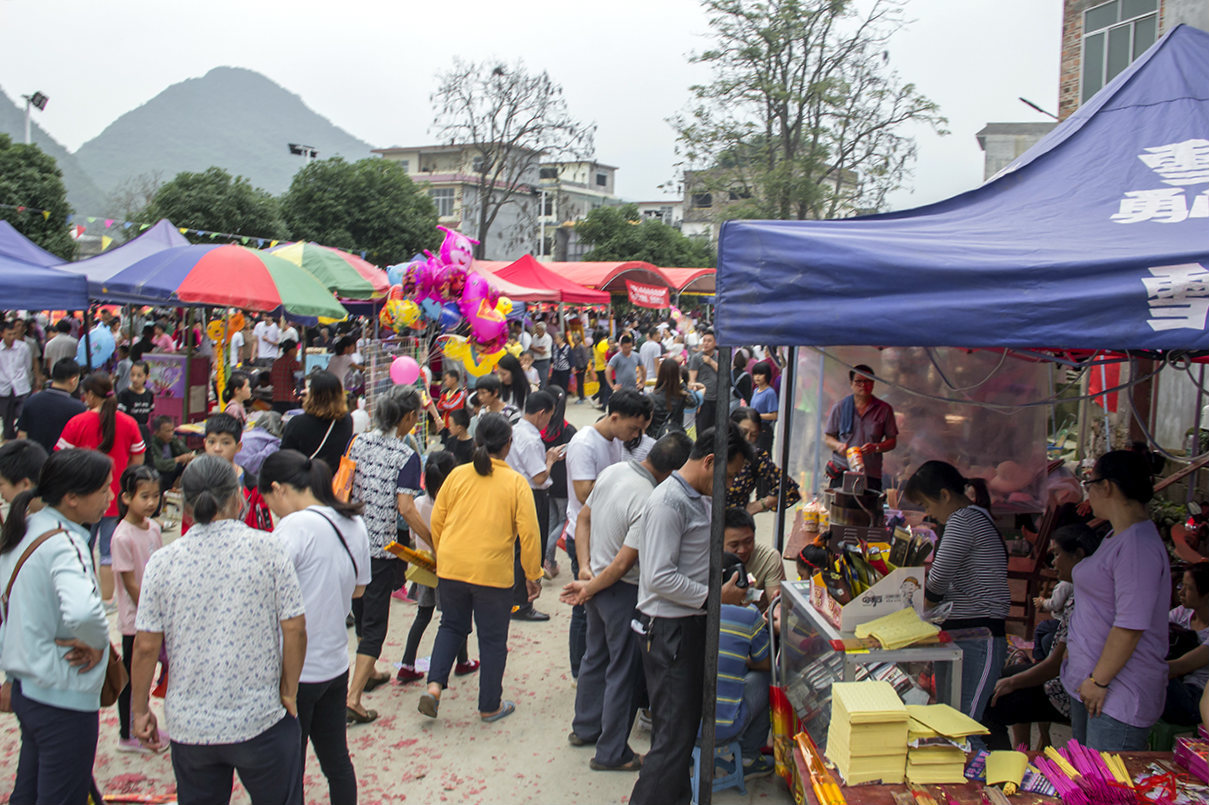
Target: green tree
[29,178]
[214,201]
[621,233]
[370,205]
[804,117]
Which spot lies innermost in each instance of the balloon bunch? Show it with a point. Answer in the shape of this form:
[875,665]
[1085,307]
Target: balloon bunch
[441,289]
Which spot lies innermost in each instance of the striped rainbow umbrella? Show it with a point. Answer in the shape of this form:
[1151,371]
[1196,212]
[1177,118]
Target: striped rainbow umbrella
[347,275]
[223,276]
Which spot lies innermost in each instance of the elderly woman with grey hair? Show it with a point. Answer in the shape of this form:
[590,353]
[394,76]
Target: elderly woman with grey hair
[232,694]
[387,481]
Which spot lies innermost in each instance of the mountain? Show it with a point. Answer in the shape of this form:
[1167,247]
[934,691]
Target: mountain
[82,193]
[234,118]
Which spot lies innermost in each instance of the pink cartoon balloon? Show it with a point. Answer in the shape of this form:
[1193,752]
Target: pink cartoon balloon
[488,326]
[456,249]
[474,291]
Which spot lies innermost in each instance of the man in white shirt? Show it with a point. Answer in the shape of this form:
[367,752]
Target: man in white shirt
[530,458]
[589,453]
[268,336]
[16,377]
[289,333]
[60,347]
[542,347]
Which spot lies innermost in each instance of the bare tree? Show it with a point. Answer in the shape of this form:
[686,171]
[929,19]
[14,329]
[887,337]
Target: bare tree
[511,120]
[131,196]
[804,117]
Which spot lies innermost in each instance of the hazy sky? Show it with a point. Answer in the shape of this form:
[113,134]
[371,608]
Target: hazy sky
[369,65]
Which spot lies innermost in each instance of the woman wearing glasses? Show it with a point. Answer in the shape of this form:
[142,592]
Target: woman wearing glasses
[1115,669]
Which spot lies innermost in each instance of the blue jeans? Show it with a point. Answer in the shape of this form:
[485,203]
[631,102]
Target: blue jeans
[558,519]
[754,721]
[491,610]
[1104,733]
[102,533]
[981,666]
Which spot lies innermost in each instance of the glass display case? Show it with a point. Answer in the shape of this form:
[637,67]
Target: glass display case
[809,665]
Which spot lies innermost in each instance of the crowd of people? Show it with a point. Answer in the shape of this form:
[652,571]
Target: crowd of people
[294,511]
[87,463]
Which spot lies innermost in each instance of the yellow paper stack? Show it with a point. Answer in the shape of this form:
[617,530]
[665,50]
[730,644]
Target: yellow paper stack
[940,728]
[898,629]
[867,739]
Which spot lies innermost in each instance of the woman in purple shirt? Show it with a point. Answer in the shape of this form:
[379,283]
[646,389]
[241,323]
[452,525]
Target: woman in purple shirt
[1115,668]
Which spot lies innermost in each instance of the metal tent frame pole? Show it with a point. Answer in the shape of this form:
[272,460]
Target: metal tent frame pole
[785,421]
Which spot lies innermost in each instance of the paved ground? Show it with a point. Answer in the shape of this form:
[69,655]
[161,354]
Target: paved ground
[405,757]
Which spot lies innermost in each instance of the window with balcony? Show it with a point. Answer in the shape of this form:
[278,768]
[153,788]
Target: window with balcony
[443,198]
[1114,34]
[547,173]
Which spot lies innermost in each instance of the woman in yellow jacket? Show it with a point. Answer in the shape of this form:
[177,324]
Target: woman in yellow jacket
[483,508]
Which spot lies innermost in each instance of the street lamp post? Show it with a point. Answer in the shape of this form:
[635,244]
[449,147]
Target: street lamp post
[307,152]
[37,99]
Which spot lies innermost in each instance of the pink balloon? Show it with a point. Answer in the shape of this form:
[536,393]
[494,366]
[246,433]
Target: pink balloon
[456,249]
[487,325]
[474,292]
[404,370]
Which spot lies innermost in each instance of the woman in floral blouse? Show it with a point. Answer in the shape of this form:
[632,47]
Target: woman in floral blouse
[758,475]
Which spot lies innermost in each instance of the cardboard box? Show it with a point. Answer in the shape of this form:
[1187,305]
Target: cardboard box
[903,587]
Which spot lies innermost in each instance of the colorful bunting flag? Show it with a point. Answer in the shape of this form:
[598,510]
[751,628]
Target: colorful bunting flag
[105,241]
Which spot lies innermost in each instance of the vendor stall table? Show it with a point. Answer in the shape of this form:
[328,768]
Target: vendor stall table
[965,794]
[809,664]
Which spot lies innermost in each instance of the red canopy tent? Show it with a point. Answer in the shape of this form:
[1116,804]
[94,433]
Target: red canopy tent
[516,291]
[528,272]
[692,280]
[612,276]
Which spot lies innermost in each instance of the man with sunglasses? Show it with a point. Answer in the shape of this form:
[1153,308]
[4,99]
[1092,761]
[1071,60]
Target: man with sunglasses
[863,421]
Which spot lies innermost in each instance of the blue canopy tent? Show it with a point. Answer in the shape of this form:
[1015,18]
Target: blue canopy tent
[1096,238]
[26,281]
[25,286]
[98,270]
[15,245]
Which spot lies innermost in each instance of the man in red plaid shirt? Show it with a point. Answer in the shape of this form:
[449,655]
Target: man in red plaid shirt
[282,377]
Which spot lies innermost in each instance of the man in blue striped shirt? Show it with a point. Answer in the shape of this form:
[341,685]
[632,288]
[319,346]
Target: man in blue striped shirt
[744,660]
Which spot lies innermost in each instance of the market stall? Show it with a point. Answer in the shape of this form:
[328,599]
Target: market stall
[16,246]
[1093,240]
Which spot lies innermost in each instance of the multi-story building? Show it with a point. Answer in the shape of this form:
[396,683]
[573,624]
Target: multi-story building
[569,191]
[1100,39]
[453,176]
[706,205]
[669,211]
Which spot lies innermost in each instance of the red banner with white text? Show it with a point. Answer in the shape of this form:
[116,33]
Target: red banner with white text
[647,295]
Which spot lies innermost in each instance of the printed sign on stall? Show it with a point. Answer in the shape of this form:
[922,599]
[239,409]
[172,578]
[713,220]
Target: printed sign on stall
[647,295]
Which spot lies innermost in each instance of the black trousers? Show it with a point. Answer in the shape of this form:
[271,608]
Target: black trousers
[673,660]
[1024,706]
[321,712]
[560,378]
[268,766]
[10,412]
[579,382]
[58,747]
[705,415]
[371,612]
[520,593]
[124,696]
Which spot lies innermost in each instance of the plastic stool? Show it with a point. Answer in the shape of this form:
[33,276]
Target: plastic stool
[729,757]
[1163,734]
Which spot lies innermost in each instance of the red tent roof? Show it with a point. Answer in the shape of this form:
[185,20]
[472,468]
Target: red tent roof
[513,290]
[527,271]
[612,276]
[700,280]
